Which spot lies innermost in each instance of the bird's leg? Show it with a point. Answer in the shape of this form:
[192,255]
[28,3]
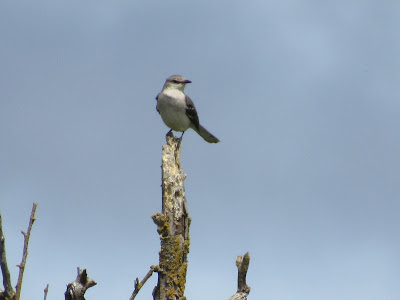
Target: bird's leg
[169,133]
[179,142]
[180,139]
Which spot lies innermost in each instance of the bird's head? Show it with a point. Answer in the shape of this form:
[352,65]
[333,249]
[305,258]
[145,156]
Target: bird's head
[176,82]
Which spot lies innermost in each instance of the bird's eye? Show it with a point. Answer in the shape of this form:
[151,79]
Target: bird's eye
[175,81]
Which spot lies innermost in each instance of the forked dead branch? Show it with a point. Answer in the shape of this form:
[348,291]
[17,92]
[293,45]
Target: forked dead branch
[173,223]
[9,292]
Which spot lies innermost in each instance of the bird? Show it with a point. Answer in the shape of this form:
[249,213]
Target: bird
[177,110]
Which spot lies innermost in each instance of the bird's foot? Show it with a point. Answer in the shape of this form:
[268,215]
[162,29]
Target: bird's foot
[179,143]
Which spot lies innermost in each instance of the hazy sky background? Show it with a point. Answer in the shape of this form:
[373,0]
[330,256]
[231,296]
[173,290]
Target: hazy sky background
[304,96]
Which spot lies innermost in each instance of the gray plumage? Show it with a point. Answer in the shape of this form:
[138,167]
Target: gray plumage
[177,110]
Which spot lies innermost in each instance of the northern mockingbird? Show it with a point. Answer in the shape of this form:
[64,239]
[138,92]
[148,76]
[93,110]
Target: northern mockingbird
[177,109]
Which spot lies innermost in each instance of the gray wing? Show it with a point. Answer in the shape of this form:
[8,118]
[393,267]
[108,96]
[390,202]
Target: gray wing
[192,113]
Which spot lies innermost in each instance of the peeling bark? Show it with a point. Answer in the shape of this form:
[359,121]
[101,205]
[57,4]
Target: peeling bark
[172,225]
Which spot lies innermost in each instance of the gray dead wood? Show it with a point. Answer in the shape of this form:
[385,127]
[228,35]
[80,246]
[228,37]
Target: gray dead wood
[46,290]
[76,289]
[9,292]
[172,225]
[139,285]
[243,289]
[22,265]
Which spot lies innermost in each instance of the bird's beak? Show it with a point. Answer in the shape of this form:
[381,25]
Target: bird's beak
[187,81]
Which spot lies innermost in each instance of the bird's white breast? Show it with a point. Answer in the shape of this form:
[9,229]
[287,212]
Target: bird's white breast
[172,107]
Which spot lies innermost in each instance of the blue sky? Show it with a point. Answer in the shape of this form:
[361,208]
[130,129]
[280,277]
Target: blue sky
[304,97]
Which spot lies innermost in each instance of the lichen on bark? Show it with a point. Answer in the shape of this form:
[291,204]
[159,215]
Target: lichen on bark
[172,225]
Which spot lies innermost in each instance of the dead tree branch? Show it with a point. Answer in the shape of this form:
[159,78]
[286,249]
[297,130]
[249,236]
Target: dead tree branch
[76,289]
[172,225]
[46,290]
[25,252]
[243,289]
[138,285]
[8,292]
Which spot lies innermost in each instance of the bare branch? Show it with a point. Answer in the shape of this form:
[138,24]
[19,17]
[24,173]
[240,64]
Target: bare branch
[76,289]
[138,285]
[46,290]
[25,252]
[8,292]
[243,290]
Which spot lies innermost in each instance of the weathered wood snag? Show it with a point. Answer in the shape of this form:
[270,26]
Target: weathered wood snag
[76,289]
[243,289]
[173,226]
